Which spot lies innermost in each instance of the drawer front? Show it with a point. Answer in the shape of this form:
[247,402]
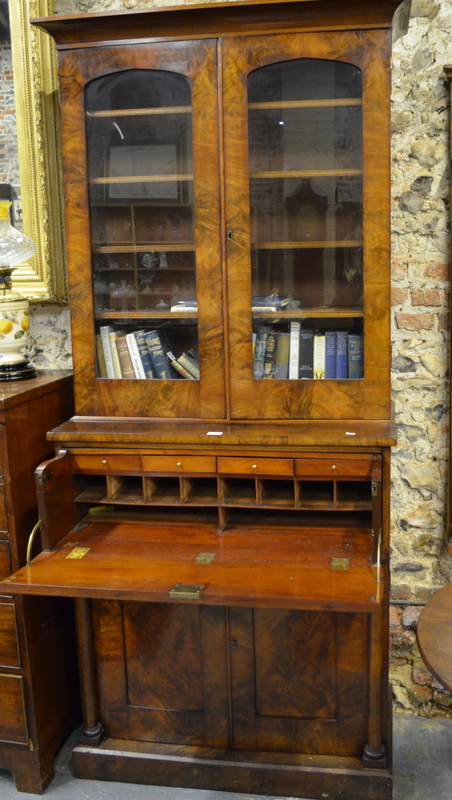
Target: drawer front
[3,518]
[104,462]
[13,719]
[5,564]
[255,466]
[333,467]
[181,463]
[9,652]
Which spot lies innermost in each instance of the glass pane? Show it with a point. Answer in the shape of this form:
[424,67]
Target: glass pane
[140,164]
[305,154]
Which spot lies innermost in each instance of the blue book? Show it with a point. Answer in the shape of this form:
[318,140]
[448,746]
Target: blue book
[144,353]
[330,354]
[306,355]
[160,363]
[355,356]
[341,354]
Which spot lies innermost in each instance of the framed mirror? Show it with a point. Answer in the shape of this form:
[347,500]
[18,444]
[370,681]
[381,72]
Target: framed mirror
[36,99]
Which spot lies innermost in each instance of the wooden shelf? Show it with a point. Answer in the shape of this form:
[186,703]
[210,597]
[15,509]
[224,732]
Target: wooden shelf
[312,313]
[141,179]
[276,105]
[305,243]
[305,173]
[140,248]
[138,112]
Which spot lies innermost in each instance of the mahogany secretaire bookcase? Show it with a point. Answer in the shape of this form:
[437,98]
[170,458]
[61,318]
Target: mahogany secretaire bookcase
[219,507]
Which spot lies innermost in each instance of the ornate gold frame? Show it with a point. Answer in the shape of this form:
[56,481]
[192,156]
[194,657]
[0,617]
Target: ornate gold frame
[36,100]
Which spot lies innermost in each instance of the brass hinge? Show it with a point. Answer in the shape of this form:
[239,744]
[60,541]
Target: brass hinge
[205,558]
[44,477]
[340,563]
[189,591]
[78,552]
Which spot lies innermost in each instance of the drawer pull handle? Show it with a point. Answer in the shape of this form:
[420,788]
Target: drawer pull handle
[334,467]
[254,466]
[104,462]
[178,463]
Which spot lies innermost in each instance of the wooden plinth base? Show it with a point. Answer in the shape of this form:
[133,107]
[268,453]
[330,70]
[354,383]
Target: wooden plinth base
[251,772]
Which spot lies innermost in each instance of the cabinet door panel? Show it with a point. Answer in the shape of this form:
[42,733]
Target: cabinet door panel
[163,672]
[307,154]
[298,681]
[13,722]
[143,228]
[9,652]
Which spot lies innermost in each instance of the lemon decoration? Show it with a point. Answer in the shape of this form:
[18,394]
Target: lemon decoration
[6,326]
[25,324]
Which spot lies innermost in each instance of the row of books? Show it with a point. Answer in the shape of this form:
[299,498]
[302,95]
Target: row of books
[141,355]
[306,354]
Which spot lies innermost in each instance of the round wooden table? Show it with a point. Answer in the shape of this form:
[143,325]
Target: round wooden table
[434,635]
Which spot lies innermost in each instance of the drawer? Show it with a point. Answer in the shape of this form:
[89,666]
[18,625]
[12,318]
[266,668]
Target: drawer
[179,463]
[13,719]
[333,467]
[3,518]
[103,462]
[9,652]
[255,466]
[5,564]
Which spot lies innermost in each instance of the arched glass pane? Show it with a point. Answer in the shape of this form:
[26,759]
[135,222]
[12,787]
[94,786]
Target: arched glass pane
[139,136]
[305,154]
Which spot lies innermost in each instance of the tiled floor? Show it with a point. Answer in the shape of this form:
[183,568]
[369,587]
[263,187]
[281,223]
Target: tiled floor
[422,771]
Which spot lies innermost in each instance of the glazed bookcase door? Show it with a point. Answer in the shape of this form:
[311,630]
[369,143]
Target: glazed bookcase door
[143,229]
[307,166]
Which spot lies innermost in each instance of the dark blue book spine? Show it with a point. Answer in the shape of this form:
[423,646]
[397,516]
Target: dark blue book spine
[355,356]
[306,362]
[341,354]
[158,357]
[144,353]
[330,354]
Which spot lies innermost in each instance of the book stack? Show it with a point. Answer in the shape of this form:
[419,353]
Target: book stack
[141,355]
[304,354]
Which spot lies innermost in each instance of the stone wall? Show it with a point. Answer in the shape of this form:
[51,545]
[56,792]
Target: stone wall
[420,187]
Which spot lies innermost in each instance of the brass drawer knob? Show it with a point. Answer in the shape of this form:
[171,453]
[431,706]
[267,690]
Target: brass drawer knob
[333,467]
[104,462]
[178,463]
[254,466]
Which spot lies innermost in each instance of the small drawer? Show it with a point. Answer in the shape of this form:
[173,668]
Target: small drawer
[9,652]
[333,467]
[104,462]
[5,564]
[181,463]
[255,466]
[13,720]
[3,518]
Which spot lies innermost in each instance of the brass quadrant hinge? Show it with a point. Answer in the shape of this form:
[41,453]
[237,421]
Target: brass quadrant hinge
[78,552]
[205,558]
[189,591]
[340,563]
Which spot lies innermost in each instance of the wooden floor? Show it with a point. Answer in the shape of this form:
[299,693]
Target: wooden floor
[422,771]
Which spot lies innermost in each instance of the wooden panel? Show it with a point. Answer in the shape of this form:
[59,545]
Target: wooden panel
[3,518]
[13,724]
[179,463]
[297,679]
[333,467]
[5,563]
[312,698]
[255,466]
[163,672]
[9,648]
[104,462]
[134,561]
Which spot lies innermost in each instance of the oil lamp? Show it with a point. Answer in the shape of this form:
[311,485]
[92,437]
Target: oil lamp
[15,247]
